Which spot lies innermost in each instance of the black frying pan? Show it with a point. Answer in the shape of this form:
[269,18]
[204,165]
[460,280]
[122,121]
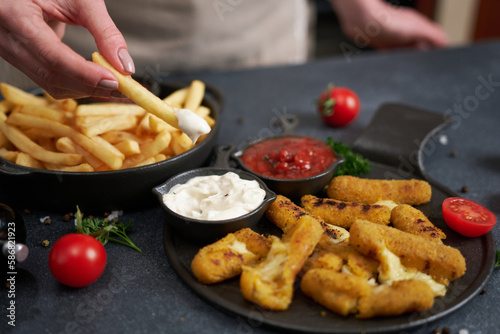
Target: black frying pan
[99,191]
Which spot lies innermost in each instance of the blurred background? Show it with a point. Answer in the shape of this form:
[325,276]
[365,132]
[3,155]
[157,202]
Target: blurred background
[465,22]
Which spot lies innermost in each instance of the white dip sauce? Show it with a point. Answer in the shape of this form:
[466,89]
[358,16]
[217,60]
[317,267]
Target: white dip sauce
[191,124]
[215,197]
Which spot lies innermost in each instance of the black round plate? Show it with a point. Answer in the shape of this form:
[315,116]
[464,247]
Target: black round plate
[305,315]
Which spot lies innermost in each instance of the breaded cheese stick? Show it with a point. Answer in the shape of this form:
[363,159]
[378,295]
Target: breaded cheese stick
[285,214]
[338,292]
[322,259]
[368,191]
[270,283]
[354,262]
[342,213]
[223,259]
[406,218]
[400,297]
[443,263]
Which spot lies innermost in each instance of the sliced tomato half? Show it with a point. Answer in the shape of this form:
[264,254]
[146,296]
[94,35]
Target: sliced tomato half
[467,217]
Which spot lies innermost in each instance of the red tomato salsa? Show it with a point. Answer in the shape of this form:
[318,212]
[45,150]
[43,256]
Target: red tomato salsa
[292,157]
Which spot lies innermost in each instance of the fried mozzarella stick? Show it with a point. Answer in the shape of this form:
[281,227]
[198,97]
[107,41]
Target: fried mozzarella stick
[270,283]
[348,294]
[354,262]
[338,292]
[223,259]
[342,213]
[443,263]
[406,218]
[285,214]
[322,259]
[401,297]
[368,191]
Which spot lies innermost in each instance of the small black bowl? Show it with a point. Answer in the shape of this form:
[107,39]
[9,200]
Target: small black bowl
[207,230]
[293,188]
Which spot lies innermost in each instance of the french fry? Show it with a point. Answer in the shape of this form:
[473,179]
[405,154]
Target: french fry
[128,147]
[148,161]
[5,106]
[160,157]
[180,142]
[203,111]
[101,152]
[18,96]
[27,160]
[139,94]
[66,104]
[79,121]
[177,97]
[65,144]
[108,146]
[209,120]
[143,129]
[63,105]
[84,167]
[194,95]
[26,145]
[8,155]
[42,111]
[3,139]
[37,134]
[115,137]
[48,144]
[158,125]
[151,149]
[107,124]
[109,109]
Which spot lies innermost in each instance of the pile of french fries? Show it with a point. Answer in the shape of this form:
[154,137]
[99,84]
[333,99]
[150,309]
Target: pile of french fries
[63,135]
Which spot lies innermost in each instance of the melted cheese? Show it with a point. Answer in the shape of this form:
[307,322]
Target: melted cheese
[392,270]
[342,233]
[388,203]
[273,266]
[239,247]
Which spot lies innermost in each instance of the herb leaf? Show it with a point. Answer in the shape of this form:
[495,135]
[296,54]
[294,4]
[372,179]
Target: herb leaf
[354,163]
[497,261]
[102,228]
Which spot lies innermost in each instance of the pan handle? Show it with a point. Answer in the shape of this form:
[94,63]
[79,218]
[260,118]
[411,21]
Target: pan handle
[9,168]
[222,155]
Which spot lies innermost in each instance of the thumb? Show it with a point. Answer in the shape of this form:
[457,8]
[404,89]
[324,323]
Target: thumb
[108,38]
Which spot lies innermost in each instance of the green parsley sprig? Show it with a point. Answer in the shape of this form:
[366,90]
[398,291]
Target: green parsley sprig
[497,259]
[354,163]
[102,228]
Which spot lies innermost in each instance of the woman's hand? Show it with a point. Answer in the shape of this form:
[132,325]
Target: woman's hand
[380,25]
[30,39]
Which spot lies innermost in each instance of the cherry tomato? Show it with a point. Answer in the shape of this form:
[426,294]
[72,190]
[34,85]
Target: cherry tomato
[467,217]
[77,260]
[338,106]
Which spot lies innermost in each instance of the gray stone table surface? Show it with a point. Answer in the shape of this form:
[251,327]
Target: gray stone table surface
[141,293]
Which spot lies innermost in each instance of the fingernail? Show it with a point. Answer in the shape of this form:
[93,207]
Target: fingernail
[127,62]
[108,84]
